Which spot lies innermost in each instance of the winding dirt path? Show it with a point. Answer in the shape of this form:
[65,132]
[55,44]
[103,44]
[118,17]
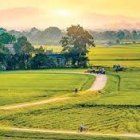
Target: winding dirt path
[98,84]
[75,133]
[17,106]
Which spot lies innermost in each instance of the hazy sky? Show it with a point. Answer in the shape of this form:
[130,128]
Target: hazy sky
[24,14]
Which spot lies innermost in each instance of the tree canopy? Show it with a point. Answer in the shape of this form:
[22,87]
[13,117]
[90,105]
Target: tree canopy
[75,45]
[6,38]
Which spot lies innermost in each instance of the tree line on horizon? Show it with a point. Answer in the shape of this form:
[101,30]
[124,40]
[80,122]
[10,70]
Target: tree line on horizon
[53,35]
[22,54]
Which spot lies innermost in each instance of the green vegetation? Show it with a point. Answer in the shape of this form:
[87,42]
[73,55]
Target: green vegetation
[39,85]
[113,110]
[75,46]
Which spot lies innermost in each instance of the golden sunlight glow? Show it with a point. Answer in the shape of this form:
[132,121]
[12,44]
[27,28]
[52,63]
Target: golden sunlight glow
[24,14]
[63,13]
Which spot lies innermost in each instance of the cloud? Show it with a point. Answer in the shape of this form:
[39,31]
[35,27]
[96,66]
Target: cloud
[101,21]
[28,17]
[18,16]
[14,13]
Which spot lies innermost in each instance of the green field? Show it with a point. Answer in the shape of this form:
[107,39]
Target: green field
[122,88]
[20,86]
[121,54]
[115,109]
[106,112]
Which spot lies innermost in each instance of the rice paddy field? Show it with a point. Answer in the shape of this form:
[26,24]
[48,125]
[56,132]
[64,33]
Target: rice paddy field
[113,110]
[109,56]
[22,86]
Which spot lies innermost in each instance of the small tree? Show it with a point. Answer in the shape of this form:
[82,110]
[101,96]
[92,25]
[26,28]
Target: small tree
[40,60]
[75,45]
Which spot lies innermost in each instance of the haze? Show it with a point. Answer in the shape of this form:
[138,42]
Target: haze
[92,14]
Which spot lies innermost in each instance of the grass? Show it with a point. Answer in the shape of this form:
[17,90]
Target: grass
[39,85]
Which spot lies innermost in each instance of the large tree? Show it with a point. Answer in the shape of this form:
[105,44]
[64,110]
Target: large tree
[75,45]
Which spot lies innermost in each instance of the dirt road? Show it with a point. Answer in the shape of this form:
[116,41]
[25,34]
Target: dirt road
[75,133]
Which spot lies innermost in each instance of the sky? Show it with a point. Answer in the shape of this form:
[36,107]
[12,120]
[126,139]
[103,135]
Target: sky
[91,14]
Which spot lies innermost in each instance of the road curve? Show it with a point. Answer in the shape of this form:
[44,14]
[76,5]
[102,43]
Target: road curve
[97,85]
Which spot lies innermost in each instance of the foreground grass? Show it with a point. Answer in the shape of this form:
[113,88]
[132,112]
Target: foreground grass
[116,109]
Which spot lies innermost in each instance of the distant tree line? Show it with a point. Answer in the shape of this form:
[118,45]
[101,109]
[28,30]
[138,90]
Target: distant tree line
[16,51]
[52,35]
[49,36]
[117,36]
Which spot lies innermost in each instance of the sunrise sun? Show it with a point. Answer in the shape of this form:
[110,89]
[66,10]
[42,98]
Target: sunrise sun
[63,13]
